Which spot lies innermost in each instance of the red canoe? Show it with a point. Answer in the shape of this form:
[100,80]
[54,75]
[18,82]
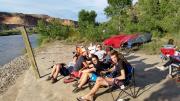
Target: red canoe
[118,40]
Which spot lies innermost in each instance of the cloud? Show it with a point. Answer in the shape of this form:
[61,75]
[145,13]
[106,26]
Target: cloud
[58,8]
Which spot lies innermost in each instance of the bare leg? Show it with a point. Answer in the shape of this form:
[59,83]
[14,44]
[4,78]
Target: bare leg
[81,78]
[57,69]
[99,82]
[53,71]
[84,79]
[84,72]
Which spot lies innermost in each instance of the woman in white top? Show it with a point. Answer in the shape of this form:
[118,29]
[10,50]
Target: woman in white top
[100,52]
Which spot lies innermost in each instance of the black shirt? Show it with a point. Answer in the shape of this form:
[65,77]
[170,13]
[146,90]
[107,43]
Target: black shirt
[100,66]
[121,65]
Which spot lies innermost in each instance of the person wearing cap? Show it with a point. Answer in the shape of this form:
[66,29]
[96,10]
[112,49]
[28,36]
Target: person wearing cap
[80,63]
[100,52]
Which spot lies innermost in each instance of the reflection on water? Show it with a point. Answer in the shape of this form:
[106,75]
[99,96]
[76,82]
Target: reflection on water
[13,46]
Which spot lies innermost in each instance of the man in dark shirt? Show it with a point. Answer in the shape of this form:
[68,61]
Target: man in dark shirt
[121,65]
[119,75]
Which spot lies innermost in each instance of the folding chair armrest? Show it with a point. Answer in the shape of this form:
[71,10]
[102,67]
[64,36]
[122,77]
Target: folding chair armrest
[175,65]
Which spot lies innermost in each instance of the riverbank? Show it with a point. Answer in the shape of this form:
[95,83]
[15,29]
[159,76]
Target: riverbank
[11,71]
[15,32]
[151,83]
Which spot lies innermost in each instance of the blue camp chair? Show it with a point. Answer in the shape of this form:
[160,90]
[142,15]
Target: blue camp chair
[129,84]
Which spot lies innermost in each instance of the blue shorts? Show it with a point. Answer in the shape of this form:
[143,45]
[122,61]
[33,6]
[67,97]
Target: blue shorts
[94,77]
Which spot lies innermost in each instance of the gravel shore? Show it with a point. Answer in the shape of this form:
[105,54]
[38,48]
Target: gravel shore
[11,71]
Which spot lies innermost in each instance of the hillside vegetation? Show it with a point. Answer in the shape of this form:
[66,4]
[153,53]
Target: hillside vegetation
[159,17]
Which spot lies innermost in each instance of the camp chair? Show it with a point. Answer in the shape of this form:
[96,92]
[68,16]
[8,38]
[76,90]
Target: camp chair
[167,52]
[128,84]
[172,67]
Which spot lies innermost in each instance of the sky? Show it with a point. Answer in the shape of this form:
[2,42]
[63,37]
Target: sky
[65,9]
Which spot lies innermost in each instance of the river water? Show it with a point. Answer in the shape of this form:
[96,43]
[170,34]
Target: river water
[13,46]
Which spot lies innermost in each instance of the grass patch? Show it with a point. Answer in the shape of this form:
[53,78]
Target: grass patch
[154,46]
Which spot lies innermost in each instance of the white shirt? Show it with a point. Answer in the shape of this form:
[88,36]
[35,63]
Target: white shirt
[100,54]
[92,49]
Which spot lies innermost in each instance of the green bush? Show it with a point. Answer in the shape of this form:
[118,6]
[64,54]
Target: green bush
[54,30]
[9,32]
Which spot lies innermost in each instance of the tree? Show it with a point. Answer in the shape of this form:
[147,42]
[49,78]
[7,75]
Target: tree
[42,28]
[86,20]
[4,27]
[159,16]
[52,30]
[87,17]
[117,10]
[116,7]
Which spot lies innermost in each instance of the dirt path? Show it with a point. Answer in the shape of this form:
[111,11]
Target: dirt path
[152,84]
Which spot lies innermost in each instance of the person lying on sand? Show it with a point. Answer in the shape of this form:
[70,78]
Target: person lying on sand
[81,62]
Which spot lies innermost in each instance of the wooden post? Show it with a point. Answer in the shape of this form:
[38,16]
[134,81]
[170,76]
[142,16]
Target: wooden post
[30,52]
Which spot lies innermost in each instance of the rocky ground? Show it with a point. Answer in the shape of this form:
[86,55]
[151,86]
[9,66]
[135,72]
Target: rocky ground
[11,71]
[152,84]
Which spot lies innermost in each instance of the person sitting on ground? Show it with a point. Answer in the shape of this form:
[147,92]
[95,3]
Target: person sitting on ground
[76,53]
[80,62]
[100,52]
[119,73]
[92,73]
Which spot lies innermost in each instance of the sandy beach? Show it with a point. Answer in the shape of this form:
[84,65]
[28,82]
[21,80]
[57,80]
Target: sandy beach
[151,83]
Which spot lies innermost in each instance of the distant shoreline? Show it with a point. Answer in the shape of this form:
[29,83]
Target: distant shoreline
[9,32]
[15,32]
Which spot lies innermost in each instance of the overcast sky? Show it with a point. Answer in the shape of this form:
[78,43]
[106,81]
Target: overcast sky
[67,9]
